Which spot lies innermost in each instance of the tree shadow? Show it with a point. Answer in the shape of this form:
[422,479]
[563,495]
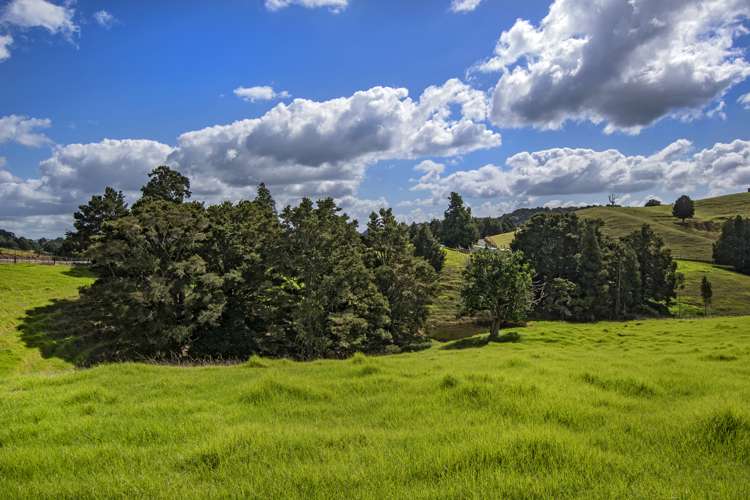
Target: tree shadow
[482,340]
[77,271]
[60,330]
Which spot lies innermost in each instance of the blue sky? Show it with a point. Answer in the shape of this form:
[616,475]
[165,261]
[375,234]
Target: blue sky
[519,108]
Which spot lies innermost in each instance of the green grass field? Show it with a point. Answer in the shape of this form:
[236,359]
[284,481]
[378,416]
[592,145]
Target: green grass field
[731,290]
[692,240]
[502,240]
[650,409]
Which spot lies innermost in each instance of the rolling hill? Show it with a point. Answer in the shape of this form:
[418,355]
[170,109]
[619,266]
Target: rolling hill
[692,240]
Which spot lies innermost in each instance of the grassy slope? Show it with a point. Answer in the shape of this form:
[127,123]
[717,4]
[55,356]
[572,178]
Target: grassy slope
[23,287]
[443,324]
[731,290]
[651,409]
[687,241]
[502,240]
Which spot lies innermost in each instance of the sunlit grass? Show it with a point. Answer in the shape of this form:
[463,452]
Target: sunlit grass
[651,409]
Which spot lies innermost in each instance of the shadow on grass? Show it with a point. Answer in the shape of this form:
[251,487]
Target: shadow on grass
[58,330]
[482,340]
[79,272]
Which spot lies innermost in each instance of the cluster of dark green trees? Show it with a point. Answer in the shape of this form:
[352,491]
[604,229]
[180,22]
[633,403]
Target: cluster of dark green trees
[178,279]
[581,275]
[733,246]
[43,245]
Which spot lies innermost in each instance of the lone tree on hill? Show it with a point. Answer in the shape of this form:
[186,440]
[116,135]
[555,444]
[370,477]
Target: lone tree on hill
[683,208]
[497,283]
[459,229]
[707,294]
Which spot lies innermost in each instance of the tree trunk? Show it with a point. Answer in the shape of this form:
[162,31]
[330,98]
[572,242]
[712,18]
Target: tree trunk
[495,330]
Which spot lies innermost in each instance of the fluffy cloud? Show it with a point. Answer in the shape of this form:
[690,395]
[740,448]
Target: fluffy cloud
[335,6]
[623,64]
[23,130]
[40,13]
[104,19]
[304,148]
[260,93]
[464,5]
[5,42]
[744,100]
[74,172]
[322,148]
[566,171]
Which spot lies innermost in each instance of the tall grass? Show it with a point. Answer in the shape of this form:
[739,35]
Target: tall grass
[651,409]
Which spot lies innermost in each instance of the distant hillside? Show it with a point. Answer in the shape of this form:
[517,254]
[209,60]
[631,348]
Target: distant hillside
[692,240]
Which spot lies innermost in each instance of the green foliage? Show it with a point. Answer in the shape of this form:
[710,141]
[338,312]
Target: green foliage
[338,307]
[733,246]
[407,282]
[498,284]
[167,185]
[683,208]
[657,268]
[612,279]
[592,276]
[458,228]
[155,293]
[90,219]
[428,247]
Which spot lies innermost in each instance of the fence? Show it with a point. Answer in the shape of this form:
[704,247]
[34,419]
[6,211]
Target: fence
[51,261]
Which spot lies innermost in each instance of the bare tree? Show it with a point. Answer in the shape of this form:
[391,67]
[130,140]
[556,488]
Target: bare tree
[613,199]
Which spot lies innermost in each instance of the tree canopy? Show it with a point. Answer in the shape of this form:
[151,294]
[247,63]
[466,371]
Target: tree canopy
[683,208]
[497,284]
[458,229]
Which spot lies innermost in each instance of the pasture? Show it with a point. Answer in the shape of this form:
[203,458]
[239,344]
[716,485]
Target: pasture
[653,409]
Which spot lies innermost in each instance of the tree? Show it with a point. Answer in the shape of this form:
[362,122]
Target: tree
[459,229]
[683,208]
[166,184]
[90,219]
[427,247]
[625,280]
[338,309]
[593,287]
[497,283]
[612,200]
[733,246]
[406,281]
[657,268]
[706,294]
[653,202]
[155,295]
[245,249]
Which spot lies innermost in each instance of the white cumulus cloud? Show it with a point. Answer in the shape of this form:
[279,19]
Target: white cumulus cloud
[23,130]
[624,64]
[260,93]
[744,100]
[464,5]
[40,13]
[719,169]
